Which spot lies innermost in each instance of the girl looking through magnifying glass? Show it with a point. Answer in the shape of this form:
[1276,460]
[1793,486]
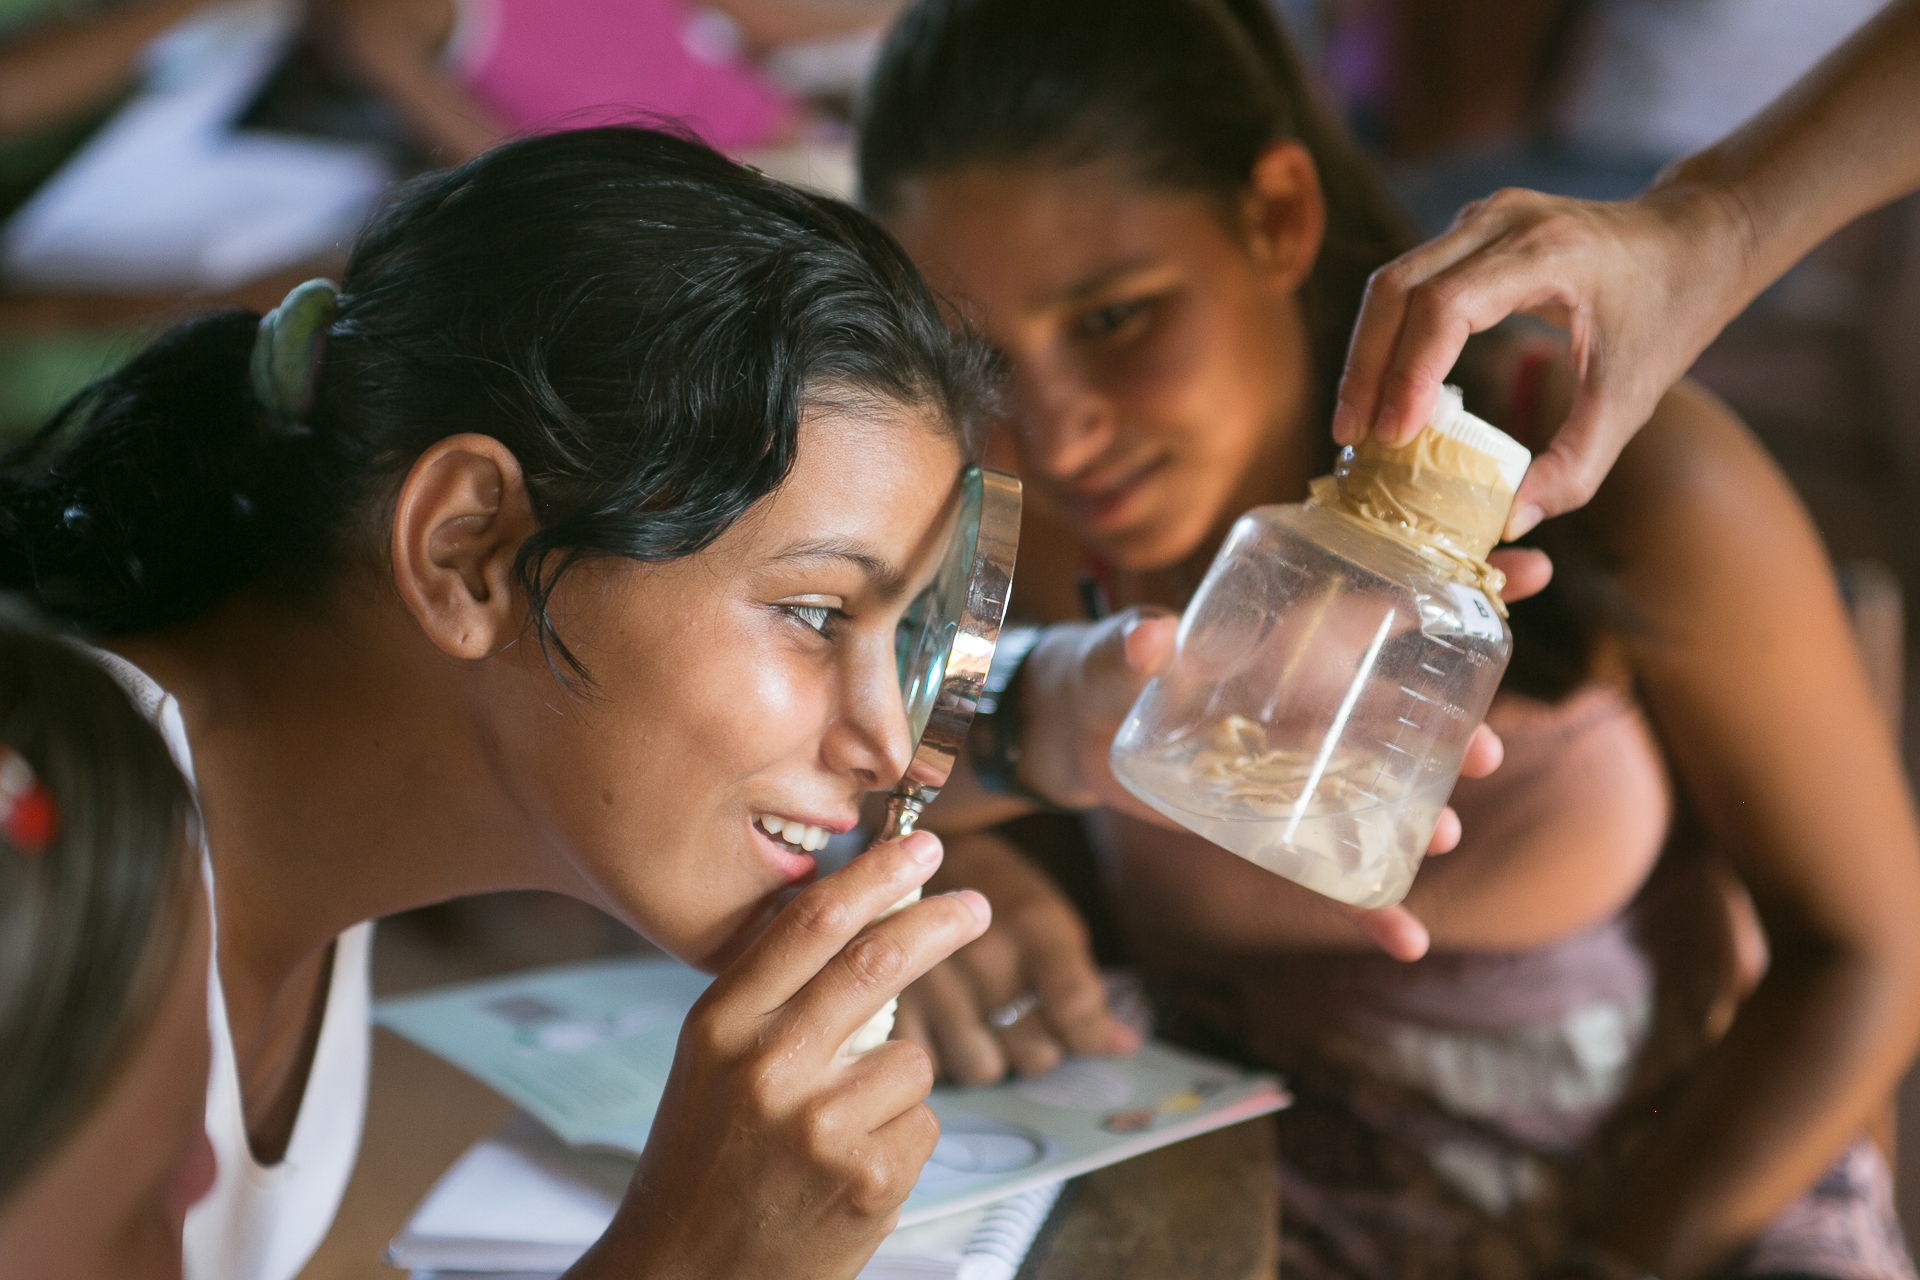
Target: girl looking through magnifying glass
[564,548]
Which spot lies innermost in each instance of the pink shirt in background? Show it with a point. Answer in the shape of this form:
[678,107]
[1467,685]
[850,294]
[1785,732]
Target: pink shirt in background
[541,65]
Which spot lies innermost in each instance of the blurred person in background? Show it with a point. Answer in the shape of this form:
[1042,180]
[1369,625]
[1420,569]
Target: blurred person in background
[103,990]
[469,73]
[1673,977]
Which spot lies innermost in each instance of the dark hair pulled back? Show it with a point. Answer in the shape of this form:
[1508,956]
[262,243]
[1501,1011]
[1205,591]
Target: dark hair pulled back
[639,320]
[91,926]
[1184,94]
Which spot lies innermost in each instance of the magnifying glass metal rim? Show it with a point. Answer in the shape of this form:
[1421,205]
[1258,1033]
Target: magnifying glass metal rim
[989,588]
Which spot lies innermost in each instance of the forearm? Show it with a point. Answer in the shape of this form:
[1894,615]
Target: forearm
[62,70]
[1842,141]
[1811,1056]
[396,49]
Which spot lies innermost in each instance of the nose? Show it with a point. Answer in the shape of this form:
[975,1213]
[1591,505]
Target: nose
[869,741]
[1064,423]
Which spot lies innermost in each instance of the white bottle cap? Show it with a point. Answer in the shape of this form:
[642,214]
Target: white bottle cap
[1451,419]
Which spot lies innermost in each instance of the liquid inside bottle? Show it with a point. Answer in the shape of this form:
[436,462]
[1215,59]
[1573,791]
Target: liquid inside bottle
[1325,683]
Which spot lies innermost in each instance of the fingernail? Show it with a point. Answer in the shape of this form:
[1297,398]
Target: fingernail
[923,847]
[975,903]
[1522,520]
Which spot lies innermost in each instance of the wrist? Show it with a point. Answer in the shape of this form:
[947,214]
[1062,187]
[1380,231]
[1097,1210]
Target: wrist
[997,741]
[1713,218]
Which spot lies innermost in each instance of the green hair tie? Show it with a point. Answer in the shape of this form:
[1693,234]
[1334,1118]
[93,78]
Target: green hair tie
[286,352]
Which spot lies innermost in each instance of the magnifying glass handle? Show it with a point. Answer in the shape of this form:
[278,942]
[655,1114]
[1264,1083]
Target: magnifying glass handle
[903,815]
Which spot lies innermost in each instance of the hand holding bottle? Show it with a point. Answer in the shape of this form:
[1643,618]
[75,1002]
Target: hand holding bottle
[1643,285]
[1082,678]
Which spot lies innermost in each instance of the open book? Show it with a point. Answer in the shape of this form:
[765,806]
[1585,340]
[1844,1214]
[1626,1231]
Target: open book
[522,1203]
[585,1049]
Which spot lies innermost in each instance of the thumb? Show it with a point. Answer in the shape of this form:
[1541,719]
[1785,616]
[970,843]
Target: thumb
[1583,451]
[1147,641]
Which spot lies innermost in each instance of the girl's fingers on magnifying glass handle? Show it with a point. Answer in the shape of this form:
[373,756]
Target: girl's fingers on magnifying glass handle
[825,916]
[879,962]
[772,1154]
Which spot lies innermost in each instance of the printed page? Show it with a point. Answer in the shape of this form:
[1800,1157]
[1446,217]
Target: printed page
[586,1049]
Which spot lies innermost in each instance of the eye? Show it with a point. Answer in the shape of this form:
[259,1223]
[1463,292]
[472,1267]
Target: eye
[1113,319]
[816,617]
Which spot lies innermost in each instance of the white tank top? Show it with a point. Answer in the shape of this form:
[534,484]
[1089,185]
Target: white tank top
[262,1222]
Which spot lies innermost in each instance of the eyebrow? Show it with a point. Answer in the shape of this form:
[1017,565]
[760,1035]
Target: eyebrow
[1097,283]
[886,579]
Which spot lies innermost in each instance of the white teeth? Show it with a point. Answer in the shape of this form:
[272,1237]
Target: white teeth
[799,834]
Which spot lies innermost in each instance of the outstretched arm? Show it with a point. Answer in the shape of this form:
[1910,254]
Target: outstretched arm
[1642,285]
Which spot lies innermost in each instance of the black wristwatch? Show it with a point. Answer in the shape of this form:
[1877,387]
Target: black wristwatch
[994,743]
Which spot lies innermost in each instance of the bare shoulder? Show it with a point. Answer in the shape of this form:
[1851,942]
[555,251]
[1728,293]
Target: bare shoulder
[1696,509]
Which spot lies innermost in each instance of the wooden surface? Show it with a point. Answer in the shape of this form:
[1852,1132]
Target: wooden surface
[1204,1209]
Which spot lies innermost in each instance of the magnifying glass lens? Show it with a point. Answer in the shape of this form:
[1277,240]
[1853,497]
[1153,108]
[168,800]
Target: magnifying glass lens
[925,638]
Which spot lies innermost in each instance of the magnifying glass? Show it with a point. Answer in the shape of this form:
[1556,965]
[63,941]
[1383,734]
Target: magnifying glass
[943,648]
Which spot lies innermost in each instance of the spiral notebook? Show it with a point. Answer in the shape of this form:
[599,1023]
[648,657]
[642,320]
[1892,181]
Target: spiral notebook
[585,1049]
[521,1205]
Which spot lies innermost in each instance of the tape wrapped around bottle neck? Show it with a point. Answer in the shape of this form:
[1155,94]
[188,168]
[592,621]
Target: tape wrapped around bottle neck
[1435,494]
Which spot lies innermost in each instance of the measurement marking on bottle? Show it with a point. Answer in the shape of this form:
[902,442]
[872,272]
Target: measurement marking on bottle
[1428,666]
[1417,696]
[1409,723]
[1394,746]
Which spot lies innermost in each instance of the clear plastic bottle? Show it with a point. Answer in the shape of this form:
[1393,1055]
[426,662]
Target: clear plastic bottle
[1334,663]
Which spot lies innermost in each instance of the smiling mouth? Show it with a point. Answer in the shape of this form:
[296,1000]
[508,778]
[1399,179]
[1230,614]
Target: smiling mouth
[1105,498]
[799,836]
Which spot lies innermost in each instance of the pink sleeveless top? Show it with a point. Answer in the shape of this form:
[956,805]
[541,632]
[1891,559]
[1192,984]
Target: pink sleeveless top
[542,65]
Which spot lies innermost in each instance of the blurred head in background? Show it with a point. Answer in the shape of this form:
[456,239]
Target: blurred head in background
[103,976]
[1155,226]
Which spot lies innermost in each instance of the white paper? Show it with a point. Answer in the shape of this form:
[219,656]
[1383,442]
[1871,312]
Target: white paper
[521,1202]
[167,195]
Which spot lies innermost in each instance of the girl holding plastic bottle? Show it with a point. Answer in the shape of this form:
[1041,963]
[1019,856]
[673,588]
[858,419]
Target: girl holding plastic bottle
[1672,978]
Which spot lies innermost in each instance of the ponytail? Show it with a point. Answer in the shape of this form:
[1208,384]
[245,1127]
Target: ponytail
[154,493]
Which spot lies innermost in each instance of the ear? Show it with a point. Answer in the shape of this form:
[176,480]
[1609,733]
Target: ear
[461,516]
[1286,214]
